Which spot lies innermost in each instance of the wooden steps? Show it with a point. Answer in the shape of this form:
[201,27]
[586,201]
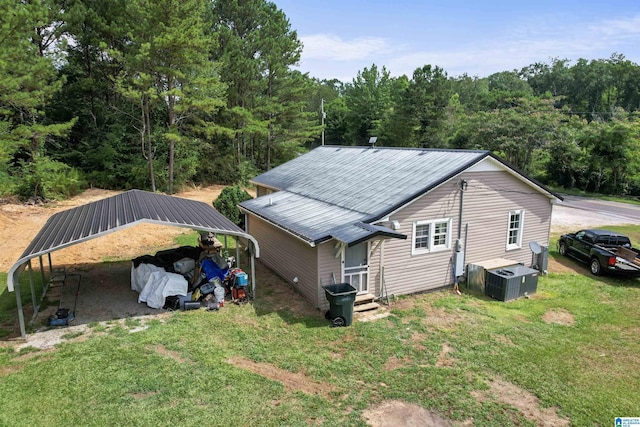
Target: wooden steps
[365,302]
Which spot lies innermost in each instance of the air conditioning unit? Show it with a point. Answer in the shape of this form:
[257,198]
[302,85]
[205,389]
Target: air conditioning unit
[508,283]
[477,272]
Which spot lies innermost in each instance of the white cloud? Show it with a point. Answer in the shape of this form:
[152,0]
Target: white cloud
[618,29]
[531,45]
[332,47]
[329,56]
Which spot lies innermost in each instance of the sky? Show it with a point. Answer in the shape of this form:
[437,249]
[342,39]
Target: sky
[479,38]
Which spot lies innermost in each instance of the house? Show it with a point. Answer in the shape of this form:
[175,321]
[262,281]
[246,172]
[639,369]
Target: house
[390,220]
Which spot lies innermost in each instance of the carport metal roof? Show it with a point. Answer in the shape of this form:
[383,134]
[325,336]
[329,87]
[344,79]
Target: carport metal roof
[115,213]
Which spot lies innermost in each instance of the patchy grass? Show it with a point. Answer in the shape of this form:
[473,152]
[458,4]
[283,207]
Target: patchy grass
[467,358]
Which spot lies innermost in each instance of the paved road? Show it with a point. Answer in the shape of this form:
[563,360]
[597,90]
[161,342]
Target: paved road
[618,211]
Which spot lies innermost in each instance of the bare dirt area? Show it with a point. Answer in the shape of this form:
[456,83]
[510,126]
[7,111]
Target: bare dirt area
[106,295]
[525,402]
[393,413]
[291,381]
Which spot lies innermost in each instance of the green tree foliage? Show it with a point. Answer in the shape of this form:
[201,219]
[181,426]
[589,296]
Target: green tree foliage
[613,156]
[227,203]
[369,101]
[105,141]
[167,71]
[266,118]
[28,81]
[421,109]
[517,133]
[336,122]
[153,94]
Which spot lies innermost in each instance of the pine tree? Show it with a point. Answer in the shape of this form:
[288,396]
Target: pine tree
[27,82]
[167,70]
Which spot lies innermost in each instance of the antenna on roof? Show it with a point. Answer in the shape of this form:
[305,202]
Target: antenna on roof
[372,141]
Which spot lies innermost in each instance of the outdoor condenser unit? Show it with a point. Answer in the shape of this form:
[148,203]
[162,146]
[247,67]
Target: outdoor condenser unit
[512,282]
[477,272]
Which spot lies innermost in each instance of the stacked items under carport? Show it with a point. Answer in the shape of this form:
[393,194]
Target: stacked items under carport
[188,277]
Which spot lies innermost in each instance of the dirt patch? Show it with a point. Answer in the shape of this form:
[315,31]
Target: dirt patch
[443,358]
[48,339]
[393,413]
[559,316]
[525,402]
[434,316]
[279,295]
[160,349]
[417,338]
[393,363]
[292,381]
[503,340]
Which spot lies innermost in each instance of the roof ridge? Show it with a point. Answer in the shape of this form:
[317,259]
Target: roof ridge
[445,150]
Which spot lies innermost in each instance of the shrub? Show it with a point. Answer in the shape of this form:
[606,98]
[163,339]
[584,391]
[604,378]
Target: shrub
[227,203]
[49,179]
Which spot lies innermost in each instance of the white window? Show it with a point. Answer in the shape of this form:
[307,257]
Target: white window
[431,236]
[514,229]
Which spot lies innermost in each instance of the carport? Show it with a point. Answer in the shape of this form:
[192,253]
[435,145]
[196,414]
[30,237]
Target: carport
[116,213]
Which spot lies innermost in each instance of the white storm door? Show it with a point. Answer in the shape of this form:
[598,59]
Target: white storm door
[356,267]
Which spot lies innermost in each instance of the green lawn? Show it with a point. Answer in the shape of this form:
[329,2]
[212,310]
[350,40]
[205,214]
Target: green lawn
[574,346]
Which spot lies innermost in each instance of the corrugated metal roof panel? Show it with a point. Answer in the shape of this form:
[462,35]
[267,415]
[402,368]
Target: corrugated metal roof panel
[352,234]
[107,215]
[368,180]
[307,218]
[331,186]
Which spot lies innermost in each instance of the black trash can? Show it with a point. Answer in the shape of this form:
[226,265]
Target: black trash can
[341,297]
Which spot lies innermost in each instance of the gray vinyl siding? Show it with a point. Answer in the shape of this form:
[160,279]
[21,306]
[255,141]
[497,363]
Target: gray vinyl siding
[405,273]
[489,198]
[487,201]
[262,191]
[327,264]
[287,256]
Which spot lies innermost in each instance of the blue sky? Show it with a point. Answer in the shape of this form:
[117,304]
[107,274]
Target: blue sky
[475,37]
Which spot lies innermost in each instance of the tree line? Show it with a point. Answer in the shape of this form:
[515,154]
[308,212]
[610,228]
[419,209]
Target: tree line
[155,94]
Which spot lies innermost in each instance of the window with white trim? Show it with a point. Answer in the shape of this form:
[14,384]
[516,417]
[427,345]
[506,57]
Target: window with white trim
[431,236]
[515,229]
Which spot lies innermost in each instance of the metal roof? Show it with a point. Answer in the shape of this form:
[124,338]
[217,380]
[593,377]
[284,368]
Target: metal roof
[329,190]
[117,212]
[364,179]
[352,234]
[324,193]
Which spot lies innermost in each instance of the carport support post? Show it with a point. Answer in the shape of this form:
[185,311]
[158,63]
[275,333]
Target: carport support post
[44,289]
[253,275]
[33,290]
[23,331]
[237,252]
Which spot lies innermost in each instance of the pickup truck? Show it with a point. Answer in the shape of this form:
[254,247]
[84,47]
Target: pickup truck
[604,251]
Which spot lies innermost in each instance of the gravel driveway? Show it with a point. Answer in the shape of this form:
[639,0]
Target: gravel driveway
[566,219]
